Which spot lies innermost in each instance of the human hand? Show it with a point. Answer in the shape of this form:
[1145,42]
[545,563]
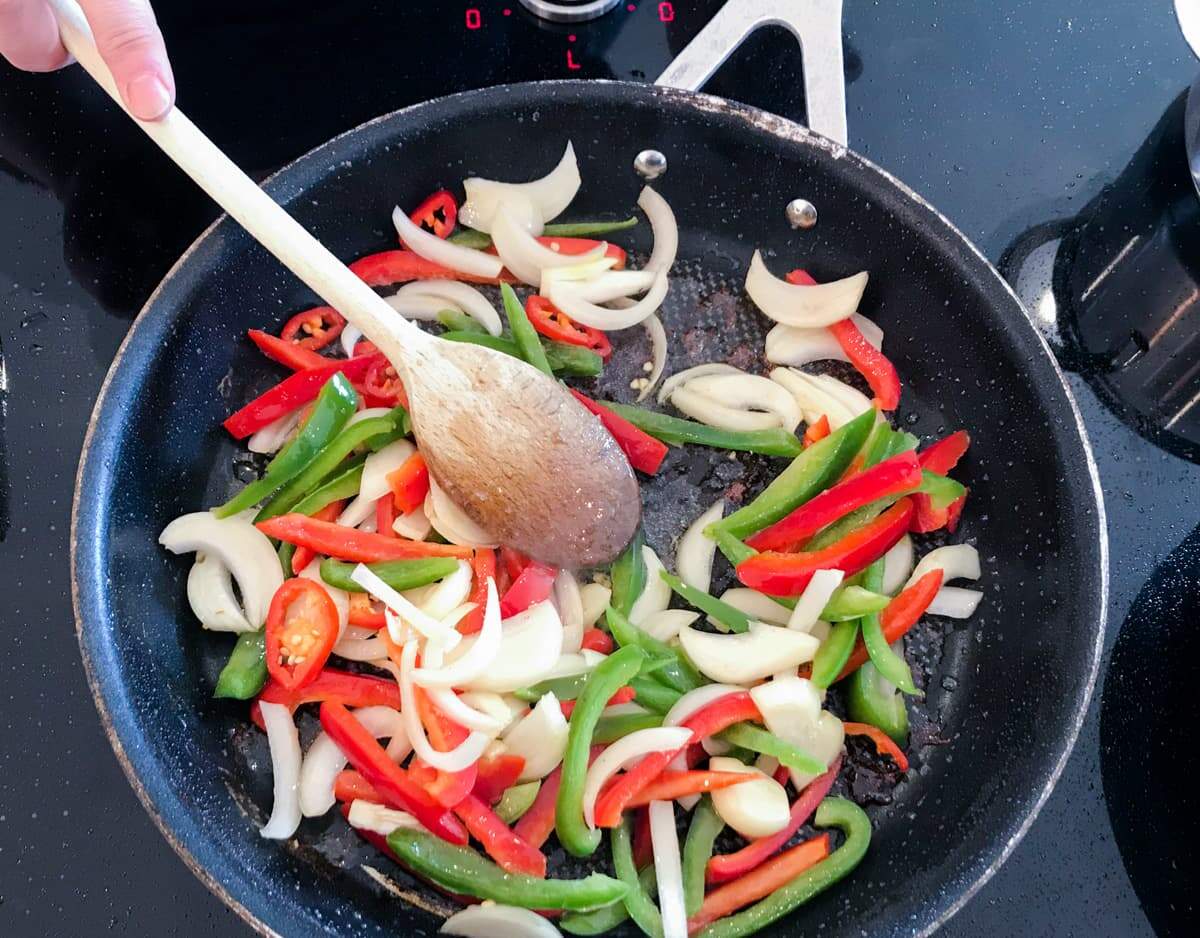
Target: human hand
[126,34]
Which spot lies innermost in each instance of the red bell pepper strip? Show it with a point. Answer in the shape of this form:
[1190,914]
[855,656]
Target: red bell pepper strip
[884,744]
[301,629]
[533,586]
[940,457]
[779,574]
[672,785]
[388,267]
[643,451]
[723,868]
[643,843]
[303,556]
[385,515]
[624,695]
[871,363]
[409,484]
[334,540]
[718,715]
[954,512]
[447,788]
[484,566]
[597,640]
[292,392]
[365,612]
[760,883]
[351,786]
[391,781]
[900,615]
[554,324]
[426,214]
[537,824]
[509,851]
[344,687]
[495,775]
[816,432]
[314,328]
[288,354]
[894,476]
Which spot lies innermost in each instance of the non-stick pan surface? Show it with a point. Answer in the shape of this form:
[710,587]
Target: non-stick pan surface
[1006,690]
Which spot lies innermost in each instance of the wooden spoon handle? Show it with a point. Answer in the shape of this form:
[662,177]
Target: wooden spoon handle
[241,197]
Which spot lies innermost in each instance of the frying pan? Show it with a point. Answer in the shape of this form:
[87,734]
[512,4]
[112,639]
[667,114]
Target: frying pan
[1006,691]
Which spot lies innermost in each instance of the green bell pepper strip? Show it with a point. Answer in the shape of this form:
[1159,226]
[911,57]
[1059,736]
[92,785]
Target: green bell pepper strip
[613,673]
[330,459]
[886,442]
[727,615]
[810,473]
[834,652]
[400,575]
[697,851]
[286,552]
[335,404]
[343,485]
[678,673]
[756,739]
[523,332]
[516,801]
[462,870]
[941,490]
[457,321]
[832,812]
[734,549]
[648,693]
[853,602]
[570,360]
[602,921]
[629,575]
[246,671]
[564,688]
[873,699]
[611,728]
[638,904]
[677,431]
[481,241]
[891,665]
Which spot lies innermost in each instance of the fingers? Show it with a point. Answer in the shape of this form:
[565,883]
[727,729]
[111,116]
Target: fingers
[29,36]
[130,43]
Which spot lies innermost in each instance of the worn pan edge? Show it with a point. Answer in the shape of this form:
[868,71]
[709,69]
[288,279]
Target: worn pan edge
[759,119]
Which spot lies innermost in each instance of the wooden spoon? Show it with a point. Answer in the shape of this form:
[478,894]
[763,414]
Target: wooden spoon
[507,443]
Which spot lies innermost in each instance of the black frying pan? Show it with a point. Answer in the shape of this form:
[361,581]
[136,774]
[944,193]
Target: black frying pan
[1006,692]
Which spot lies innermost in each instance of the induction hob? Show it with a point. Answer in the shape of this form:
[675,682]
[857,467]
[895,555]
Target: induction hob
[1046,132]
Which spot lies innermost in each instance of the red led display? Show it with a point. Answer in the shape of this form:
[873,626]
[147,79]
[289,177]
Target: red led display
[475,18]
[666,12]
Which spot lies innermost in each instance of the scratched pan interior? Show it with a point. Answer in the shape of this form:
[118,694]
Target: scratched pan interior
[1005,692]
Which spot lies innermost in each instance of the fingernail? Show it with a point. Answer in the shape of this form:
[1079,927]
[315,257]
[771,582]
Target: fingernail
[147,96]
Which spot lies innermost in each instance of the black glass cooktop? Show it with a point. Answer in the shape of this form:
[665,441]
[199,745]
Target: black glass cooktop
[1049,132]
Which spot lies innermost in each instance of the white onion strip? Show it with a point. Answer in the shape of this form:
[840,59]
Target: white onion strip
[796,346]
[565,298]
[668,869]
[656,594]
[897,565]
[568,600]
[708,410]
[797,305]
[380,819]
[325,759]
[664,227]
[666,624]
[479,656]
[455,760]
[271,438]
[658,354]
[955,602]
[696,700]
[694,556]
[454,256]
[498,921]
[454,293]
[549,195]
[210,594]
[424,623]
[284,743]
[420,307]
[814,598]
[607,286]
[452,522]
[525,256]
[956,561]
[350,337]
[624,752]
[682,377]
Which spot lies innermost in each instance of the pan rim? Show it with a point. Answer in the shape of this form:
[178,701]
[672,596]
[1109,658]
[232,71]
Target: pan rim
[757,118]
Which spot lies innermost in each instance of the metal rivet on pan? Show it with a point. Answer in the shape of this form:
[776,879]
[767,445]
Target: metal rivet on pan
[801,213]
[650,164]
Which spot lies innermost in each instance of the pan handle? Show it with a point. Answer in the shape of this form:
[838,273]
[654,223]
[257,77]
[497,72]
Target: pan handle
[817,26]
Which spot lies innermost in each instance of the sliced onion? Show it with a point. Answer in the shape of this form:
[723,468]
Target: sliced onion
[897,565]
[589,273]
[368,413]
[350,337]
[498,921]
[525,256]
[797,305]
[694,556]
[454,256]
[340,598]
[367,650]
[656,594]
[529,648]
[244,550]
[565,297]
[420,308]
[569,603]
[607,286]
[696,371]
[712,412]
[665,625]
[756,808]
[658,354]
[374,484]
[956,561]
[795,346]
[503,708]
[477,659]
[955,602]
[415,525]
[452,522]
[210,594]
[747,393]
[595,597]
[623,753]
[457,710]
[284,743]
[454,293]
[818,398]
[550,195]
[696,700]
[580,662]
[816,595]
[450,593]
[668,869]
[410,614]
[271,438]
[540,738]
[380,819]
[851,398]
[756,605]
[665,229]
[325,759]
[454,760]
[750,656]
[624,710]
